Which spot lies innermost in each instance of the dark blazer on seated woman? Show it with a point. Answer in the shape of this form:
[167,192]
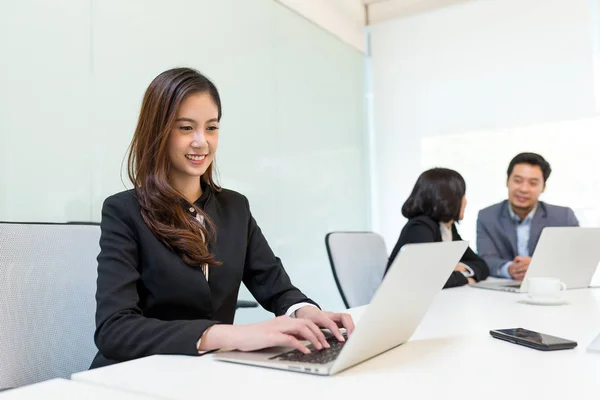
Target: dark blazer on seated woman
[423,229]
[436,202]
[149,301]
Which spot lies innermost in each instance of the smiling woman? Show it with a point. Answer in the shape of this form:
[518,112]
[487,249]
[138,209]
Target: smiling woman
[193,141]
[175,250]
[179,114]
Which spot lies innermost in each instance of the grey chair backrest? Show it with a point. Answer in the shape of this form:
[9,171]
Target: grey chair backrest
[358,261]
[47,300]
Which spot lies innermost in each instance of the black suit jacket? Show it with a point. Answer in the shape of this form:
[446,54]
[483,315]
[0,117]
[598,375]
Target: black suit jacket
[423,229]
[150,302]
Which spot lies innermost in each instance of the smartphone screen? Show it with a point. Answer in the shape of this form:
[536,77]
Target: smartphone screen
[535,338]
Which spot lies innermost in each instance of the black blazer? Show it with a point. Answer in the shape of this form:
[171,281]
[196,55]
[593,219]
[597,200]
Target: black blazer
[423,229]
[150,302]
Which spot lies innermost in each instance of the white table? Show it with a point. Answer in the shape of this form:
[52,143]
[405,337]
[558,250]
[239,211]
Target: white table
[451,355]
[65,389]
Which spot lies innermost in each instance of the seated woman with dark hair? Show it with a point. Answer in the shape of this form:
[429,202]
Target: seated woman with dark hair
[436,203]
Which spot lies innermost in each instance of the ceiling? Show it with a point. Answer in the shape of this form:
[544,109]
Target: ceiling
[347,18]
[383,10]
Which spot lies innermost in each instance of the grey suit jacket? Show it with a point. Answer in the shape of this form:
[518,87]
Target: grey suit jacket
[497,232]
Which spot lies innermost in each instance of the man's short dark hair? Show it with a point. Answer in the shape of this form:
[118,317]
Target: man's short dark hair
[531,159]
[437,194]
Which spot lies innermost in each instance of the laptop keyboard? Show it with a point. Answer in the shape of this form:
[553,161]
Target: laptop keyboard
[513,285]
[316,356]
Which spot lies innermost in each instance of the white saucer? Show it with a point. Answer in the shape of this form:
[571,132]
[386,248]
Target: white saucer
[544,302]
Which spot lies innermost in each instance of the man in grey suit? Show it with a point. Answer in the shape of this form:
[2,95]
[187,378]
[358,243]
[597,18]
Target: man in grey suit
[508,232]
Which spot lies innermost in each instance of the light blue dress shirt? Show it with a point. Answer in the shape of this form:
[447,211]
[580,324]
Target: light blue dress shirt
[523,232]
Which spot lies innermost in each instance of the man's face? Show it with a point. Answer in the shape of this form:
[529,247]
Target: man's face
[525,185]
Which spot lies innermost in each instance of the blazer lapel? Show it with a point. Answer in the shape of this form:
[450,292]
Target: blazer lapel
[508,226]
[537,225]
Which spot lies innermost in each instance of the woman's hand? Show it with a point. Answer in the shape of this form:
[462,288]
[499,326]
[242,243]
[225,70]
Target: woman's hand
[461,268]
[280,331]
[329,320]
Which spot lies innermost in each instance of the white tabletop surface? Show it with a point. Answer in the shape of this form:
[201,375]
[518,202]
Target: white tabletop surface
[66,389]
[451,355]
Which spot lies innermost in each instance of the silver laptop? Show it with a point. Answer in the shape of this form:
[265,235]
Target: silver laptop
[417,274]
[570,254]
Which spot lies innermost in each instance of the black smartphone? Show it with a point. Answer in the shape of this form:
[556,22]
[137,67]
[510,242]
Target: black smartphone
[536,340]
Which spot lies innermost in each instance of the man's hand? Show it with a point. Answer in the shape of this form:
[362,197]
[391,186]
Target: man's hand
[519,266]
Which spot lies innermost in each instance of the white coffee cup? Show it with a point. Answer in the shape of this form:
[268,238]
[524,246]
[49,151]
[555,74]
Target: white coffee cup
[545,288]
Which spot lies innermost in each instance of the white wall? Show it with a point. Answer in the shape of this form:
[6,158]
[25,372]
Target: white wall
[46,151]
[470,86]
[73,74]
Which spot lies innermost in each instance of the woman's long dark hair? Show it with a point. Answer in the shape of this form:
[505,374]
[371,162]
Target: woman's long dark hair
[149,166]
[437,194]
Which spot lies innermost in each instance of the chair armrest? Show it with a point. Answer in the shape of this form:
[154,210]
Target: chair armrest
[246,304]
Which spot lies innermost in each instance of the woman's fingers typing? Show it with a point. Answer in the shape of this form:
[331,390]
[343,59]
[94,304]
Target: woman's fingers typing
[347,322]
[293,332]
[306,333]
[318,333]
[283,339]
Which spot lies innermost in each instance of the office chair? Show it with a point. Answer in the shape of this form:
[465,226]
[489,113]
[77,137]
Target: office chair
[358,261]
[47,304]
[246,304]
